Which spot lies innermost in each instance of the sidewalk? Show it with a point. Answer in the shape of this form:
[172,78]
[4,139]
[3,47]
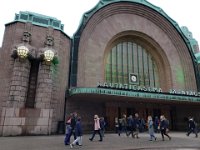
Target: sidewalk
[110,142]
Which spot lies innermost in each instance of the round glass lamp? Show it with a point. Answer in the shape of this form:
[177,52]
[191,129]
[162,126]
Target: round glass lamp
[48,55]
[22,51]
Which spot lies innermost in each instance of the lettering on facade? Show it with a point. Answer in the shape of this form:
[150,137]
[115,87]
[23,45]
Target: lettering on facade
[181,92]
[120,86]
[127,93]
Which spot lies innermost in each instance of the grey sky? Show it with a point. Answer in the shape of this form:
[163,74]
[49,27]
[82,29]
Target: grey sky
[185,13]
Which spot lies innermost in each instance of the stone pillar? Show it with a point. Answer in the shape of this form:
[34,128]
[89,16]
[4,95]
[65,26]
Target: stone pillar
[19,83]
[14,121]
[44,86]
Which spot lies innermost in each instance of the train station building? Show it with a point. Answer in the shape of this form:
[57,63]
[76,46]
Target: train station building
[126,56]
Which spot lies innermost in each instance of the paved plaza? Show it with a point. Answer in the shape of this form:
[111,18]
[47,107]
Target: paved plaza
[111,142]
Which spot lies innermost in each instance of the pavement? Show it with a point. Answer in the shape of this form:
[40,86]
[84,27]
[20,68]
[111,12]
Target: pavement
[111,141]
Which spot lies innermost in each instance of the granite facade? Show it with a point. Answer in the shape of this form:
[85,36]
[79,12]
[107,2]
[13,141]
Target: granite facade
[46,86]
[52,79]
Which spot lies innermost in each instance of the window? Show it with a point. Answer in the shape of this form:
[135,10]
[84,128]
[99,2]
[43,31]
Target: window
[129,57]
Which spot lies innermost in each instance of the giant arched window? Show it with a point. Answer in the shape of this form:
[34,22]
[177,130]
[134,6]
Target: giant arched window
[127,58]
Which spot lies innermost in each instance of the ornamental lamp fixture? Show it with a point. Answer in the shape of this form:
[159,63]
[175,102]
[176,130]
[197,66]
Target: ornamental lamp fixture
[48,55]
[22,51]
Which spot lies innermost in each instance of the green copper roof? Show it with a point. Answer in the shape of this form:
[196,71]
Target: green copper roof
[197,55]
[38,19]
[103,3]
[188,34]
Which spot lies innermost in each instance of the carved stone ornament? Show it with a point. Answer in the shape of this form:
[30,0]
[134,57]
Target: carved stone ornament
[26,37]
[49,41]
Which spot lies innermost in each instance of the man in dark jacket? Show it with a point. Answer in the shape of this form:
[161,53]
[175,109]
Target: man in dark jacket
[192,127]
[164,126]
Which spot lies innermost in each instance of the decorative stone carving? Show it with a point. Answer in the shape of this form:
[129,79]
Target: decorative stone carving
[49,41]
[26,37]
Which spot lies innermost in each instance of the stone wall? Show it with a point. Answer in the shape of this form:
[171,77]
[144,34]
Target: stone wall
[140,22]
[23,121]
[52,80]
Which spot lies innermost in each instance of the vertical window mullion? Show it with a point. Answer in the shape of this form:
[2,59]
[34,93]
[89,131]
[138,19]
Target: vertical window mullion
[111,72]
[127,50]
[138,63]
[117,80]
[153,74]
[143,65]
[122,63]
[148,68]
[132,58]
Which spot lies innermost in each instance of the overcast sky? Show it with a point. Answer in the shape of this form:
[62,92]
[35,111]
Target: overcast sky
[185,13]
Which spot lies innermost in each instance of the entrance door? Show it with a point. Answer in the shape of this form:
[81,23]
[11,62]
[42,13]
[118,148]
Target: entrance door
[173,118]
[111,114]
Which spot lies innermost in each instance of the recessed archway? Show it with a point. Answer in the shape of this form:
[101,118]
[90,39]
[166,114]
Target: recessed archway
[145,52]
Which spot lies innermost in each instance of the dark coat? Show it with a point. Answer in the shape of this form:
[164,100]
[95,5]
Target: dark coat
[78,129]
[192,124]
[73,122]
[164,124]
[136,123]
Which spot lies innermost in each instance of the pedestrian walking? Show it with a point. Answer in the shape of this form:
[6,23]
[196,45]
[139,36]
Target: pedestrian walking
[116,125]
[142,125]
[156,124]
[79,133]
[130,125]
[73,124]
[192,127]
[136,124]
[151,128]
[164,126]
[97,129]
[68,130]
[123,125]
[102,125]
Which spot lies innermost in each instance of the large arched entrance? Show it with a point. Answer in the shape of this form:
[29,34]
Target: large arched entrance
[134,59]
[133,53]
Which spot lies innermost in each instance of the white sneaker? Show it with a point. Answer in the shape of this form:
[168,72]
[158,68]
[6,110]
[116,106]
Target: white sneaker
[71,145]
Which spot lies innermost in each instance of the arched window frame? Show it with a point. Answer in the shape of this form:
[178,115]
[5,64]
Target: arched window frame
[121,65]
